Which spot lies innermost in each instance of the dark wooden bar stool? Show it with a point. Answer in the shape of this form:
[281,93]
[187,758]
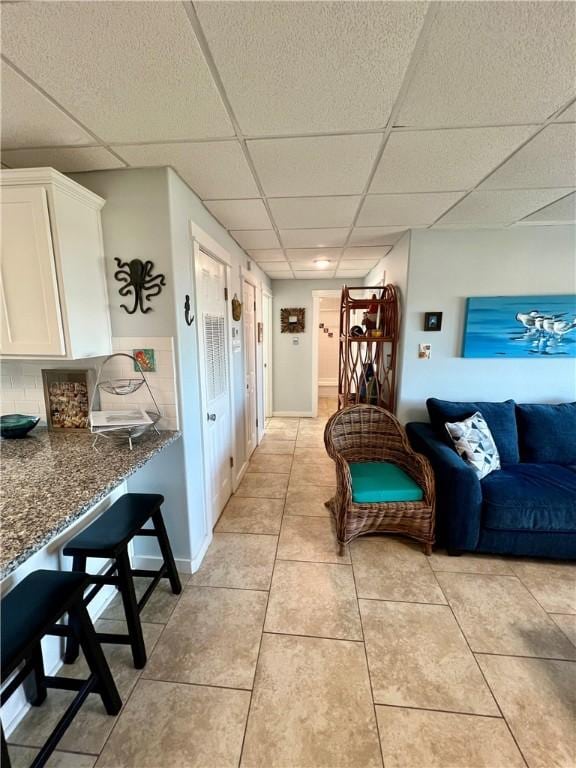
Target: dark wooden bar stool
[29,613]
[108,537]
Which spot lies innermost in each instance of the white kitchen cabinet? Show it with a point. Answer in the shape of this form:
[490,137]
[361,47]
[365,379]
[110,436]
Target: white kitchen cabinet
[53,297]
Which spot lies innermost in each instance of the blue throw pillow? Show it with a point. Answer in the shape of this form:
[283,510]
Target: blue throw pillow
[547,433]
[500,417]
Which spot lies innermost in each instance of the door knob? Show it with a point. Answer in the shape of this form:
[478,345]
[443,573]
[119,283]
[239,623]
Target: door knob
[211,416]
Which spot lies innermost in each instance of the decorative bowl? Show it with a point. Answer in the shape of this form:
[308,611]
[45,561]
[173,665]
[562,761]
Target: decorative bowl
[16,425]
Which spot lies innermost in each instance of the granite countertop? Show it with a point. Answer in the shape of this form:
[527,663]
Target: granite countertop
[50,479]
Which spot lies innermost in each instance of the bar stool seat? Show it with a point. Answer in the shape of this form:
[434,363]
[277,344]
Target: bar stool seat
[108,537]
[29,612]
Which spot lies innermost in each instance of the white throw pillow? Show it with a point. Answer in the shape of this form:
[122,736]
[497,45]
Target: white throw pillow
[474,443]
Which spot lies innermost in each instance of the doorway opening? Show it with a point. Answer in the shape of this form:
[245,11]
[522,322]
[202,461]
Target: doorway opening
[325,351]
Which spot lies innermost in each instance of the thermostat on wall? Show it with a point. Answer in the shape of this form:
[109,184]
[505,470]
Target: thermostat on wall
[295,341]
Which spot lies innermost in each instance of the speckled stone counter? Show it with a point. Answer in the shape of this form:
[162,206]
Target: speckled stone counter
[50,479]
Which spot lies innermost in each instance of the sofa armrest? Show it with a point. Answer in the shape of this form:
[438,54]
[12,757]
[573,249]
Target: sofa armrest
[458,489]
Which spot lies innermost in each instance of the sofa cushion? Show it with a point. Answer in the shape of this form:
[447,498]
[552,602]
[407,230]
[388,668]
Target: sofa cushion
[547,433]
[380,481]
[474,442]
[530,497]
[500,417]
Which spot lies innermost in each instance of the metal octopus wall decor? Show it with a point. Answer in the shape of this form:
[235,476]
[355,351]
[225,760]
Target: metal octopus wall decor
[137,276]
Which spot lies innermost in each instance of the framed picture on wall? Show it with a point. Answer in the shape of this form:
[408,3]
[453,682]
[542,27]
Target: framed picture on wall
[260,333]
[293,320]
[432,321]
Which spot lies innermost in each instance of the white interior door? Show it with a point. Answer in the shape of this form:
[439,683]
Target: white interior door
[211,310]
[267,353]
[250,366]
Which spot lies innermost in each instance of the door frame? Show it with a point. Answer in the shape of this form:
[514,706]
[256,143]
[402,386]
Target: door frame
[247,276]
[316,296]
[267,384]
[254,344]
[202,241]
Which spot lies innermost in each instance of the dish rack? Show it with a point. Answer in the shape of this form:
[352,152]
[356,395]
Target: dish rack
[122,386]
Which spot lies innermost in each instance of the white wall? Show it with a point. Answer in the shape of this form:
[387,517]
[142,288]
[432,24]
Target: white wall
[292,369]
[446,267]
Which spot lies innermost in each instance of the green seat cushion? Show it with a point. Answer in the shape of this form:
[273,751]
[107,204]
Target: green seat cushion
[380,481]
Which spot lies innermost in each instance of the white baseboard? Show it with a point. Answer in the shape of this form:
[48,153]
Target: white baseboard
[241,472]
[197,559]
[292,414]
[153,563]
[327,382]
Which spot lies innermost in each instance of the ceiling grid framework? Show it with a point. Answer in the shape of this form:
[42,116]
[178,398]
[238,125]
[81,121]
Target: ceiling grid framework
[310,130]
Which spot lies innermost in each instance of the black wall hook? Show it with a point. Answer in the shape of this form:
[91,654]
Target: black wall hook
[189,320]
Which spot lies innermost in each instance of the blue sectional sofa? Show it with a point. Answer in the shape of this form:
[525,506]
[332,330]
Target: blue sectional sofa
[528,507]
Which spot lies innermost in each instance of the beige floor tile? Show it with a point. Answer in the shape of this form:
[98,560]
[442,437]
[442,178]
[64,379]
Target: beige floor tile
[309,501]
[567,623]
[247,515]
[263,485]
[277,422]
[159,607]
[470,563]
[92,725]
[553,584]
[418,657]
[310,441]
[178,726]
[242,560]
[21,757]
[278,463]
[498,615]
[419,739]
[309,538]
[268,445]
[313,473]
[388,568]
[303,454]
[281,434]
[538,699]
[311,706]
[212,638]
[316,599]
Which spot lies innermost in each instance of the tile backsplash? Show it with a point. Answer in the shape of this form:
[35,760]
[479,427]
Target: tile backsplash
[22,389]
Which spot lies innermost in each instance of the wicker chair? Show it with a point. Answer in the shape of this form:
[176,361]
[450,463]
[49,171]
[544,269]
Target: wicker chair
[368,433]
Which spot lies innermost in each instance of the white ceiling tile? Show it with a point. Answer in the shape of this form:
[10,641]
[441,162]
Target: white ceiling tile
[493,63]
[561,212]
[358,264]
[128,71]
[29,119]
[296,212]
[273,268]
[64,159]
[320,165]
[352,272]
[258,238]
[569,115]
[366,252]
[316,66]
[214,169]
[316,274]
[409,210]
[295,254]
[549,160]
[441,161]
[313,238]
[239,214]
[268,255]
[304,264]
[376,235]
[499,206]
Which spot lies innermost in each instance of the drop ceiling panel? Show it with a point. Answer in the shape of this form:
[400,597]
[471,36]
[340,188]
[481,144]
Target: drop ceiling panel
[503,207]
[366,252]
[128,71]
[296,254]
[296,212]
[493,63]
[316,274]
[320,165]
[355,264]
[549,160]
[569,115]
[258,238]
[29,119]
[307,264]
[239,214]
[409,210]
[214,169]
[352,272]
[318,66]
[64,159]
[561,212]
[376,235]
[313,238]
[274,268]
[267,255]
[441,161]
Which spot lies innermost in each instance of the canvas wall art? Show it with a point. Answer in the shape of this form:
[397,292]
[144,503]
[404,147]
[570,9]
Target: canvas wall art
[520,326]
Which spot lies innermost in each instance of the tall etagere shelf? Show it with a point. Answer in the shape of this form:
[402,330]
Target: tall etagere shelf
[367,371]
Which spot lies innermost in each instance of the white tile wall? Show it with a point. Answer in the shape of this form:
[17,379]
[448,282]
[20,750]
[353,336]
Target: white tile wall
[22,391]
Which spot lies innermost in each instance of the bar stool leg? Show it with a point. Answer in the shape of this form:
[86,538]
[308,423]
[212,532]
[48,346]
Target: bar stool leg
[131,610]
[5,757]
[35,685]
[72,648]
[96,660]
[166,550]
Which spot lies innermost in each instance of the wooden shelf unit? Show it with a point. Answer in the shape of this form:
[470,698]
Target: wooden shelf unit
[367,368]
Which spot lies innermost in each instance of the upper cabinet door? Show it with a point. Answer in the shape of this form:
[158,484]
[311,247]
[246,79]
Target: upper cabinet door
[31,314]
